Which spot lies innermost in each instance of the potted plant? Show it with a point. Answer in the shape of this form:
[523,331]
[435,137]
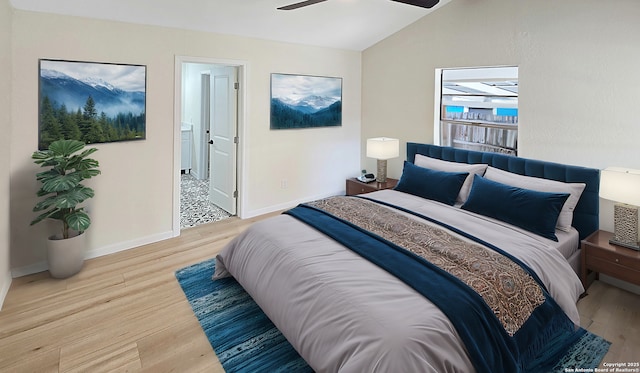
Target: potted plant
[68,165]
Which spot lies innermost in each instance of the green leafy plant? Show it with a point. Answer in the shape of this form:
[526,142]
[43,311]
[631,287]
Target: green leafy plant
[61,184]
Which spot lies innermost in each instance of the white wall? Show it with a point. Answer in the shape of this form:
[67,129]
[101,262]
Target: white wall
[578,76]
[191,103]
[133,202]
[5,144]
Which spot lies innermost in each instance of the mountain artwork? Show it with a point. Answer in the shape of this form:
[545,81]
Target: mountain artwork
[91,102]
[303,101]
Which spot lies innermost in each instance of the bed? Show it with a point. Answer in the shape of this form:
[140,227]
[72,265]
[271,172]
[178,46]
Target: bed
[424,279]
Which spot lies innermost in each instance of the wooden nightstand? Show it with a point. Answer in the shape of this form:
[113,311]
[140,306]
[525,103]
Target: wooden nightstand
[600,256]
[357,187]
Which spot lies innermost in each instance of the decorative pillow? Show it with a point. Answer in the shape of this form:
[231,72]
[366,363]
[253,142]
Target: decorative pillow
[440,165]
[543,185]
[431,184]
[528,209]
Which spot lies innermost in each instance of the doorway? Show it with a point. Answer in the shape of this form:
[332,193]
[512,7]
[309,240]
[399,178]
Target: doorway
[209,112]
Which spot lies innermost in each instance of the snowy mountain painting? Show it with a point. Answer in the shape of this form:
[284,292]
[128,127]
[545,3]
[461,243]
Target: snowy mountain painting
[303,101]
[91,102]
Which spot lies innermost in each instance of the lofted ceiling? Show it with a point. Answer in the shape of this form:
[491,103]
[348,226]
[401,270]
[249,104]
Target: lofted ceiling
[344,24]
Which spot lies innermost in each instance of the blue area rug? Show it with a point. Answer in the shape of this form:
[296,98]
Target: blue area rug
[245,340]
[241,335]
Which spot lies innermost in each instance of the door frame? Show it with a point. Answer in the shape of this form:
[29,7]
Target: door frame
[177,114]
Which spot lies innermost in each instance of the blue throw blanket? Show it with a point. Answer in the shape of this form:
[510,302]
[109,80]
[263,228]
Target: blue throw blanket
[537,344]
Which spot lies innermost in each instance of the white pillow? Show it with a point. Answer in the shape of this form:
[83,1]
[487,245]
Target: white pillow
[565,219]
[440,165]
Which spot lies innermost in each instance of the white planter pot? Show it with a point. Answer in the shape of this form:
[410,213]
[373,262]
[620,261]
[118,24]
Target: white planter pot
[65,256]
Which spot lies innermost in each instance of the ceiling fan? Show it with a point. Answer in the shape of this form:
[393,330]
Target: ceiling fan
[420,3]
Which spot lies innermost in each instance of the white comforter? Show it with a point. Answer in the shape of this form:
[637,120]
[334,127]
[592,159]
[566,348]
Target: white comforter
[343,313]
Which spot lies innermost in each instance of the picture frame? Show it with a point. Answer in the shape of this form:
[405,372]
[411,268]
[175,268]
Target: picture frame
[305,101]
[93,102]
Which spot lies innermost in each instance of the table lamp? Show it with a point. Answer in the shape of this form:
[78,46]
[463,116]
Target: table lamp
[622,185]
[382,148]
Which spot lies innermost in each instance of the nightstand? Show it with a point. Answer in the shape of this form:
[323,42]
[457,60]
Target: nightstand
[600,256]
[354,186]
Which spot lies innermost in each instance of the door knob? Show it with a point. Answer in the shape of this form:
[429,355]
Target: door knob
[211,142]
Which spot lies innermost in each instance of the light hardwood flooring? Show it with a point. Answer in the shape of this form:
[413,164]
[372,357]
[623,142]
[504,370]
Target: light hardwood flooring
[123,312]
[613,314]
[126,312]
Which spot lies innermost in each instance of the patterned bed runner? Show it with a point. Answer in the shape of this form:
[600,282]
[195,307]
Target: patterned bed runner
[505,318]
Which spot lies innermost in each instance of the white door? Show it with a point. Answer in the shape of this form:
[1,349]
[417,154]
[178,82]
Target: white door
[222,175]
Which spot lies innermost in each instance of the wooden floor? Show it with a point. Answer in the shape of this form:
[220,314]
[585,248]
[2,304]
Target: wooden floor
[613,314]
[126,312]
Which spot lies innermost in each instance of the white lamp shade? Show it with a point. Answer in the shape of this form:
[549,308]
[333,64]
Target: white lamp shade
[620,185]
[383,148]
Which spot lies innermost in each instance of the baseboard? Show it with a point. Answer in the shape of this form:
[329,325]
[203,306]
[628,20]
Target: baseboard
[126,245]
[106,250]
[620,284]
[29,269]
[286,205]
[6,284]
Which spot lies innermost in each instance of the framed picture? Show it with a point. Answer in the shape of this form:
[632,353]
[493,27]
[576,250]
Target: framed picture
[303,101]
[91,102]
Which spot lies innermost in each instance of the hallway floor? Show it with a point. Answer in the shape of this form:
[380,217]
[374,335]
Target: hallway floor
[195,208]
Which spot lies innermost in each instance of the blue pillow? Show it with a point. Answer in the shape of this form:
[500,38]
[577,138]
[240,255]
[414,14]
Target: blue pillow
[439,186]
[528,209]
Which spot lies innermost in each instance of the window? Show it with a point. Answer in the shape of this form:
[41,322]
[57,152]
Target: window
[478,109]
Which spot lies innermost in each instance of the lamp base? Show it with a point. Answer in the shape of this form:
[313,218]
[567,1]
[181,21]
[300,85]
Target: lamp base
[382,171]
[625,221]
[625,244]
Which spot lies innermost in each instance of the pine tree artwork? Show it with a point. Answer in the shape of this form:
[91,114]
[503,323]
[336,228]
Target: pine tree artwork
[304,101]
[91,102]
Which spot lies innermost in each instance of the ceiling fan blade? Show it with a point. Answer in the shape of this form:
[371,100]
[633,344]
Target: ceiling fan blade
[420,3]
[300,4]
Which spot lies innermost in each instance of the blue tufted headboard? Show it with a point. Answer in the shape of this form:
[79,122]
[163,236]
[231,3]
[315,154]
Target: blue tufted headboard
[585,216]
